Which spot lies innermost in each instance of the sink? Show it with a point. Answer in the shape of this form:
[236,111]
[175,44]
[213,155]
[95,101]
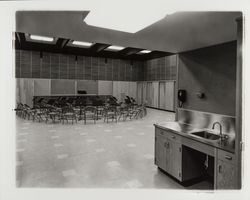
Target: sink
[206,135]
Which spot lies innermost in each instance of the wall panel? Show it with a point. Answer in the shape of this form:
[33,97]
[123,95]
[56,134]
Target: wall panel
[18,67]
[79,68]
[169,92]
[35,62]
[59,86]
[155,95]
[90,86]
[139,92]
[102,69]
[63,66]
[105,87]
[132,90]
[94,68]
[25,91]
[54,66]
[25,64]
[87,68]
[45,66]
[72,67]
[42,87]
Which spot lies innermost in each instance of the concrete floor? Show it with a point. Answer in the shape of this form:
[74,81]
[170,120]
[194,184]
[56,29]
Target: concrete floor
[114,155]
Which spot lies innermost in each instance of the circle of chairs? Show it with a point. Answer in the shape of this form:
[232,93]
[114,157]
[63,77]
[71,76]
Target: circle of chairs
[72,113]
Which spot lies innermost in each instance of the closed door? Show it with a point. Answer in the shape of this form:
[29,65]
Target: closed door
[155,94]
[169,95]
[160,152]
[226,175]
[150,94]
[139,92]
[174,156]
[162,95]
[144,92]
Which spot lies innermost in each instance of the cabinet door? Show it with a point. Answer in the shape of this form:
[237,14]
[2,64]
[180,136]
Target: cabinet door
[174,156]
[226,175]
[160,152]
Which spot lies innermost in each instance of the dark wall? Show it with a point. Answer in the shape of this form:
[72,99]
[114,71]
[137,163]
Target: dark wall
[29,64]
[210,70]
[160,69]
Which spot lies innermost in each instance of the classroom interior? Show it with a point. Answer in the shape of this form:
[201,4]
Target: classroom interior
[156,108]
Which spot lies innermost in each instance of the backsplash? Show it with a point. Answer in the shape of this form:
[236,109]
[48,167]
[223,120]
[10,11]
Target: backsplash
[205,120]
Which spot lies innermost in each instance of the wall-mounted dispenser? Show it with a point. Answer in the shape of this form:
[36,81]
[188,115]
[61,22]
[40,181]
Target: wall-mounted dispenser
[200,95]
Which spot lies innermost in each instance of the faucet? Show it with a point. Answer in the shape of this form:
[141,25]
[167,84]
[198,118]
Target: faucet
[222,137]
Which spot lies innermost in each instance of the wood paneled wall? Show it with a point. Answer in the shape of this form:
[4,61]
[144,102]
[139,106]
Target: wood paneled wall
[30,64]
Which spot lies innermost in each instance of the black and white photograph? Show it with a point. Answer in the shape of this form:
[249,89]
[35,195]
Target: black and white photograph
[124,96]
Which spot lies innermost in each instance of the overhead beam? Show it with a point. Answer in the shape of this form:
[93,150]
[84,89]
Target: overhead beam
[61,43]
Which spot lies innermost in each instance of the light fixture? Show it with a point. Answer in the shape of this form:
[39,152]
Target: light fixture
[145,51]
[41,38]
[80,43]
[125,18]
[115,48]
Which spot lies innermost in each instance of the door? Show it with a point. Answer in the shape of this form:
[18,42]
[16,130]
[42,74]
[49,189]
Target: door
[226,175]
[155,94]
[162,95]
[160,152]
[169,95]
[174,156]
[139,93]
[149,94]
[144,92]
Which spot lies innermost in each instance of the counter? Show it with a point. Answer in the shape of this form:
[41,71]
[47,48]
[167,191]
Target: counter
[186,129]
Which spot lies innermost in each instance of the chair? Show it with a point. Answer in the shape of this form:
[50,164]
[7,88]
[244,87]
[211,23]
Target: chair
[67,114]
[52,113]
[110,113]
[89,113]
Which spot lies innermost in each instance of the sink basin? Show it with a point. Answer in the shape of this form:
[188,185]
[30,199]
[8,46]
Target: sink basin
[206,135]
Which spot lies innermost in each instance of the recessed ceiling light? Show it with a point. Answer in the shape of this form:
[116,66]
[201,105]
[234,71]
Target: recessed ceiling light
[115,48]
[41,38]
[144,51]
[79,43]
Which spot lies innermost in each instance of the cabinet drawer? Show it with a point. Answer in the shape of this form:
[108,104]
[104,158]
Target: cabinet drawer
[173,136]
[159,131]
[226,156]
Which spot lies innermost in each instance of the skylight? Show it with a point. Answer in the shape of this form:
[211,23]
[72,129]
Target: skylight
[125,18]
[41,38]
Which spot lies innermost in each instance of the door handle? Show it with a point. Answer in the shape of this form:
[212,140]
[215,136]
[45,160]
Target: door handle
[173,136]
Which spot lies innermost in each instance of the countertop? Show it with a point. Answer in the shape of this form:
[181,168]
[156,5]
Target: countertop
[186,129]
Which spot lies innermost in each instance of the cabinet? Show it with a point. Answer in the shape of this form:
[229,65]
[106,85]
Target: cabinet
[225,171]
[176,159]
[184,158]
[168,153]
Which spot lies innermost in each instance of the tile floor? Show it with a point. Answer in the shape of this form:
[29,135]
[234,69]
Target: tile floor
[114,155]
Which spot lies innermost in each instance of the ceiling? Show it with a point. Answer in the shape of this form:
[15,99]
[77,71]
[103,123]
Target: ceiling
[179,32]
